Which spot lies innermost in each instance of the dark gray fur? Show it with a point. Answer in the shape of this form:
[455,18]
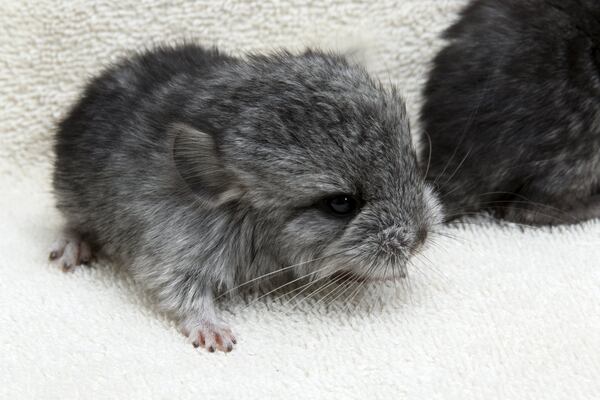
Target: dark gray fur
[202,171]
[512,109]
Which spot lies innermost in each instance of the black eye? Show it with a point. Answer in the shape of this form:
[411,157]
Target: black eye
[341,205]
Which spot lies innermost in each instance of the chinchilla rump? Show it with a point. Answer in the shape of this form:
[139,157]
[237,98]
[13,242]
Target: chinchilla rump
[512,111]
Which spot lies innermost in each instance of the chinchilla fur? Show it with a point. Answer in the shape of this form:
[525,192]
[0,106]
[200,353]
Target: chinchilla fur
[203,172]
[512,111]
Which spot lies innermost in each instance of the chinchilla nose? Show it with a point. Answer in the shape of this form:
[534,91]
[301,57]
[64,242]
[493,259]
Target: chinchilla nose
[398,239]
[419,240]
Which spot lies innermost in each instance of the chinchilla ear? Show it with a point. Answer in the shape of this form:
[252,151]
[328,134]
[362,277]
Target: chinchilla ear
[196,161]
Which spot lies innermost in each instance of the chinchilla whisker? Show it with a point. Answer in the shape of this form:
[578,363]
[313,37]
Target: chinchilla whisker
[262,296]
[507,203]
[280,270]
[561,217]
[460,164]
[402,282]
[409,287]
[429,156]
[331,297]
[312,294]
[350,298]
[430,266]
[360,284]
[352,283]
[364,283]
[307,286]
[433,242]
[363,294]
[433,234]
[341,277]
[520,196]
[335,282]
[458,214]
[463,136]
[445,195]
[339,289]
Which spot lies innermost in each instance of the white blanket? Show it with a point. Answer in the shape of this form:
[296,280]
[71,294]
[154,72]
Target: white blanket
[497,312]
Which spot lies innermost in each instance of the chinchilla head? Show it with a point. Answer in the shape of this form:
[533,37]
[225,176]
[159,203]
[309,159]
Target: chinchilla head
[320,155]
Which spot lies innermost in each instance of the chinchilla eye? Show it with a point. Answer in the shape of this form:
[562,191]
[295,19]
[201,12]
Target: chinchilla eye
[342,205]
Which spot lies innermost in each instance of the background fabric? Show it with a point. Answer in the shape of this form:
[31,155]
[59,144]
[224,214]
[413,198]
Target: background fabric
[494,311]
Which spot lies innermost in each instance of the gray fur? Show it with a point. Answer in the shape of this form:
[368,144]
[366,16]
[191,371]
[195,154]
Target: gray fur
[202,171]
[513,111]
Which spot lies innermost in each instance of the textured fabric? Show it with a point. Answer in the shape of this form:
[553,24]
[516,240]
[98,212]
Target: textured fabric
[492,312]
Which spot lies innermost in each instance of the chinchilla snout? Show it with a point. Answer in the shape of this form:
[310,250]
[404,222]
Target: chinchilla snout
[398,240]
[383,237]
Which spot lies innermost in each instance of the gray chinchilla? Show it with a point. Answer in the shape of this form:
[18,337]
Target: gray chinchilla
[204,172]
[512,111]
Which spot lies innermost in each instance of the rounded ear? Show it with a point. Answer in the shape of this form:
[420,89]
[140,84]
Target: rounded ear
[196,161]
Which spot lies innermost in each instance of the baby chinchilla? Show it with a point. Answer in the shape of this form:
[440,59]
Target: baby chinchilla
[512,111]
[204,172]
